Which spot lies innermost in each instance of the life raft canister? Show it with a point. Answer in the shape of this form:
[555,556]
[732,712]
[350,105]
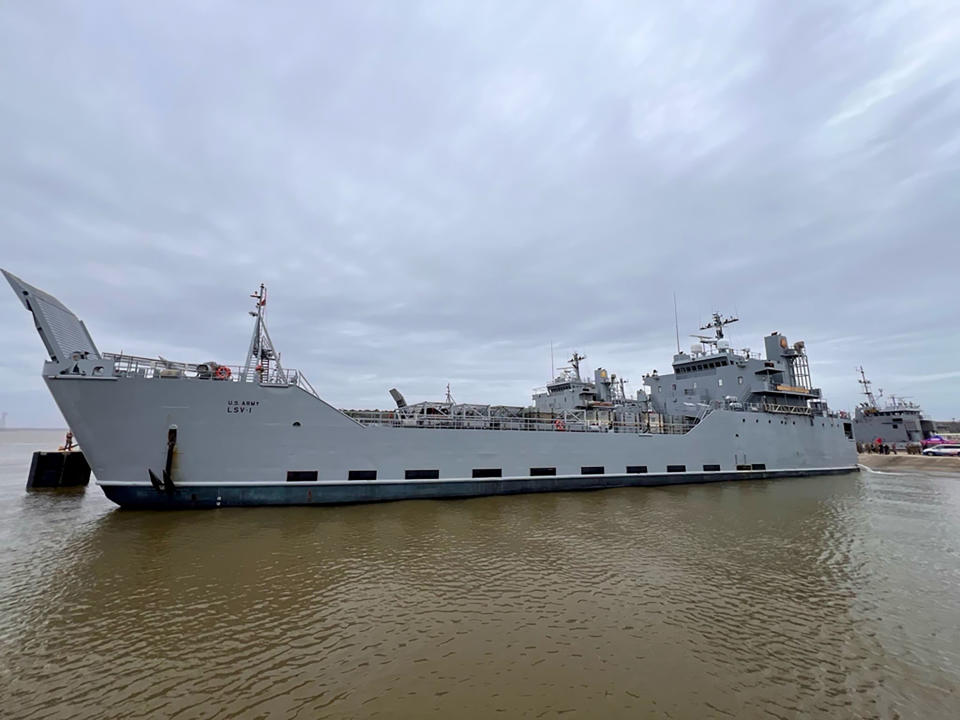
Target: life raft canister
[222,373]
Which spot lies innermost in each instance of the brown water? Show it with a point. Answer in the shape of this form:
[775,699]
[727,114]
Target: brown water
[815,597]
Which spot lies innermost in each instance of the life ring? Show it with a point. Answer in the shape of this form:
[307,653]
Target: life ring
[222,373]
[559,424]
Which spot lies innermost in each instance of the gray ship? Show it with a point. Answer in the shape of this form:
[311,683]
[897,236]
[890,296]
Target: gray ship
[161,434]
[897,424]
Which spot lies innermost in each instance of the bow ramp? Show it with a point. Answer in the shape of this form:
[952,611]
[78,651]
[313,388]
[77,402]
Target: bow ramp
[63,333]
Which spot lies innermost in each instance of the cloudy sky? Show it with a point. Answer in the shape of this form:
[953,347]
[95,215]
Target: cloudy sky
[435,192]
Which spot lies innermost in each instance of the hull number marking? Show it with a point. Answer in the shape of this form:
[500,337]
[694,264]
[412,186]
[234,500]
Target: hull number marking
[242,406]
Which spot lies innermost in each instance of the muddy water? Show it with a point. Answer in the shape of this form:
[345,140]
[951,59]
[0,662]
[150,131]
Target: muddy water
[832,597]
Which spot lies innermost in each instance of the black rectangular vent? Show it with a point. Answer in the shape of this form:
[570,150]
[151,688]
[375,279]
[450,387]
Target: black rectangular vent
[301,475]
[676,468]
[758,466]
[636,469]
[744,467]
[542,471]
[362,475]
[487,472]
[711,468]
[422,475]
[591,470]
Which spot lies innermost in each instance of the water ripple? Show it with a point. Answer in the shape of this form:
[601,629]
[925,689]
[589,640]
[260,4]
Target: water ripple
[815,597]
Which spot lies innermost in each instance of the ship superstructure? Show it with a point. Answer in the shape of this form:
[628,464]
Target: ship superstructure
[160,434]
[713,373]
[896,423]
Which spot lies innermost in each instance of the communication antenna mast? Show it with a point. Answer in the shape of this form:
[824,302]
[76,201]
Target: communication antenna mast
[261,352]
[676,321]
[718,323]
[871,400]
[575,362]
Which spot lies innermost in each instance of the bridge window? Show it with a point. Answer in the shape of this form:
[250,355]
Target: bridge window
[362,475]
[541,471]
[591,470]
[636,469]
[711,468]
[676,468]
[301,475]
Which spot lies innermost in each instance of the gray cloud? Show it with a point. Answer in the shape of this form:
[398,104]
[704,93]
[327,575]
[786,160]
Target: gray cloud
[436,193]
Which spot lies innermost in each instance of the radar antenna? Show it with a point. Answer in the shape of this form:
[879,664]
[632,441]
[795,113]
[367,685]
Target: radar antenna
[261,352]
[717,324]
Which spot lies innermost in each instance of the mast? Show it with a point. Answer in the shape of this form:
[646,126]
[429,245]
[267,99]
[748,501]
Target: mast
[261,352]
[717,324]
[871,400]
[575,362]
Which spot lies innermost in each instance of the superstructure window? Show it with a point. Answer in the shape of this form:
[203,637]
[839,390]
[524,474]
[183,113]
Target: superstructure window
[759,466]
[711,468]
[541,471]
[636,469]
[487,472]
[301,475]
[421,474]
[676,468]
[591,470]
[362,475]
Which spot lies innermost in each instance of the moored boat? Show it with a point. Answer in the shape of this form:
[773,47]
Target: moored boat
[162,434]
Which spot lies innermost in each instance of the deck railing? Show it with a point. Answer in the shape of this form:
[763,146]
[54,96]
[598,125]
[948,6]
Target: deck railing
[570,421]
[161,368]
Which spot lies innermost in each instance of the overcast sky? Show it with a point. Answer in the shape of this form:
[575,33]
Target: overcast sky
[434,192]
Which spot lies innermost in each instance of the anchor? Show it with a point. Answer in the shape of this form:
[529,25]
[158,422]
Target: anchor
[166,484]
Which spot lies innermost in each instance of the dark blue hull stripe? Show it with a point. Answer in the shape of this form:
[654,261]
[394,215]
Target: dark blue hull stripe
[145,497]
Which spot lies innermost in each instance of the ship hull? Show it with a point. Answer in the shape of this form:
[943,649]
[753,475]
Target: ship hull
[145,497]
[237,443]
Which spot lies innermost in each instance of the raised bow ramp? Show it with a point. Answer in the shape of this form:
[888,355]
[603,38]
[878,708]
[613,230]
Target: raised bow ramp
[63,333]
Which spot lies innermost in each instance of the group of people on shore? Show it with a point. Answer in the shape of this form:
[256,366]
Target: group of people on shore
[882,448]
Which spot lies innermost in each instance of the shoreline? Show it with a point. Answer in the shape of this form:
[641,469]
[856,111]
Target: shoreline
[909,462]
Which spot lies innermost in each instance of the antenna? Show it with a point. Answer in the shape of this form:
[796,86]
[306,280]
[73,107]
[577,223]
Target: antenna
[676,321]
[261,351]
[866,388]
[553,370]
[717,324]
[575,362]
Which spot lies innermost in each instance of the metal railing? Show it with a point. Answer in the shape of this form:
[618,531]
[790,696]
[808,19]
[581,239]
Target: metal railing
[569,421]
[161,368]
